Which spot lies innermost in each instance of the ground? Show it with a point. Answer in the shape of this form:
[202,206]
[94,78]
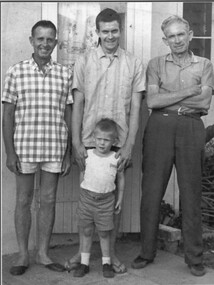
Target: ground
[208,239]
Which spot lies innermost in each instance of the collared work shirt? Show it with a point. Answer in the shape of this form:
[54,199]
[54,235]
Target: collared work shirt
[171,77]
[40,132]
[107,85]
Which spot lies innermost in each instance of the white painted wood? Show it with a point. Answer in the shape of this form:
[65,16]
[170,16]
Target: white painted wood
[139,18]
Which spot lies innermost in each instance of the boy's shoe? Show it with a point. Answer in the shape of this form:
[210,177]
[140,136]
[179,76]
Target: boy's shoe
[197,269]
[140,262]
[81,270]
[108,271]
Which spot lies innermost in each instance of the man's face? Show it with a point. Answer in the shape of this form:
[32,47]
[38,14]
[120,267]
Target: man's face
[109,34]
[177,37]
[43,42]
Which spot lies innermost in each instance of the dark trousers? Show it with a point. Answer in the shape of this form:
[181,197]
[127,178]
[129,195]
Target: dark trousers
[172,140]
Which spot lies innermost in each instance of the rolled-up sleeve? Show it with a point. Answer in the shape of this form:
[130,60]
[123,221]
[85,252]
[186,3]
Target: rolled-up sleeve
[208,75]
[78,78]
[9,92]
[152,75]
[139,77]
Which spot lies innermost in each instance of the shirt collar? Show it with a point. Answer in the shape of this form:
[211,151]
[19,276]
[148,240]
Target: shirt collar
[101,53]
[47,66]
[193,57]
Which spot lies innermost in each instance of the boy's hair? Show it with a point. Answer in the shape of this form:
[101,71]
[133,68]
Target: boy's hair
[44,24]
[107,15]
[174,19]
[107,125]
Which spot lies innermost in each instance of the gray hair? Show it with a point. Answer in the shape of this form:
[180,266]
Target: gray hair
[174,19]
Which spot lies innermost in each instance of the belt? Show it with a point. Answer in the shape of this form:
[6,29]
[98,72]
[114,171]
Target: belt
[177,112]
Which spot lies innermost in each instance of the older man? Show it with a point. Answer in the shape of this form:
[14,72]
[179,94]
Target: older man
[179,92]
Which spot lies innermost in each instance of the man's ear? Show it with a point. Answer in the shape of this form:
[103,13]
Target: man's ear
[97,32]
[31,40]
[165,41]
[56,42]
[190,35]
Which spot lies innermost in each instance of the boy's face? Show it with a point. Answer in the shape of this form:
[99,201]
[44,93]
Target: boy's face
[103,141]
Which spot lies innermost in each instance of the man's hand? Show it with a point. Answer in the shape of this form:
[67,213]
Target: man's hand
[80,154]
[194,90]
[13,163]
[125,154]
[66,165]
[118,207]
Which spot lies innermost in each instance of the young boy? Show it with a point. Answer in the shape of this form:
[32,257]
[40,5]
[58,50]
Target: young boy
[97,200]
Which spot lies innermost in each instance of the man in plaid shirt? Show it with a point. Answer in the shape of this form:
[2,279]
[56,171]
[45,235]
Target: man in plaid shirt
[36,128]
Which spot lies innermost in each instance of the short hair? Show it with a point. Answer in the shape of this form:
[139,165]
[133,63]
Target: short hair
[107,15]
[44,24]
[174,19]
[107,125]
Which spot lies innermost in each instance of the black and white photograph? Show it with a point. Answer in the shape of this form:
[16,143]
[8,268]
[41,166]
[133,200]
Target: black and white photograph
[107,149]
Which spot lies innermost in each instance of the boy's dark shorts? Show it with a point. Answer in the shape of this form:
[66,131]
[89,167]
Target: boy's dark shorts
[97,209]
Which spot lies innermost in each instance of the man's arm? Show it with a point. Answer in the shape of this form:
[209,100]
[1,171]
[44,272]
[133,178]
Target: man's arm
[80,152]
[120,186]
[66,164]
[125,152]
[12,162]
[157,100]
[201,101]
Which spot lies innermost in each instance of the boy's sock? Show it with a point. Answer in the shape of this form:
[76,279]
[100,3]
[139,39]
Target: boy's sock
[85,256]
[106,260]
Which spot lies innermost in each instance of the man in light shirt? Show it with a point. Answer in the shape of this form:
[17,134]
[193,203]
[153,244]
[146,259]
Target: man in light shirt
[108,82]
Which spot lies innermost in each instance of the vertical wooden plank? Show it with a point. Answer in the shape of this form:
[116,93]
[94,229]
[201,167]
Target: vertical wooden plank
[136,196]
[68,187]
[67,214]
[130,27]
[75,183]
[74,227]
[126,212]
[58,226]
[60,190]
[138,42]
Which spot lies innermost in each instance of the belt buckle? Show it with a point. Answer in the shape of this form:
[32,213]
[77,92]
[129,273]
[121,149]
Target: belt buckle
[179,112]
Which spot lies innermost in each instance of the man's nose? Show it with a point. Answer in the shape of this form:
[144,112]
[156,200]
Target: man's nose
[110,35]
[45,42]
[177,39]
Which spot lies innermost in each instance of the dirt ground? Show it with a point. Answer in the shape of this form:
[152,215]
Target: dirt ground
[208,240]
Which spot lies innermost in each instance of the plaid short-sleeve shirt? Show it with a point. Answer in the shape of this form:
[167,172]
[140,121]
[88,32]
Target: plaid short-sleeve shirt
[40,131]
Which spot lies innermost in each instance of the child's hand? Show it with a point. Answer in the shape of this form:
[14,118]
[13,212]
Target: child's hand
[117,208]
